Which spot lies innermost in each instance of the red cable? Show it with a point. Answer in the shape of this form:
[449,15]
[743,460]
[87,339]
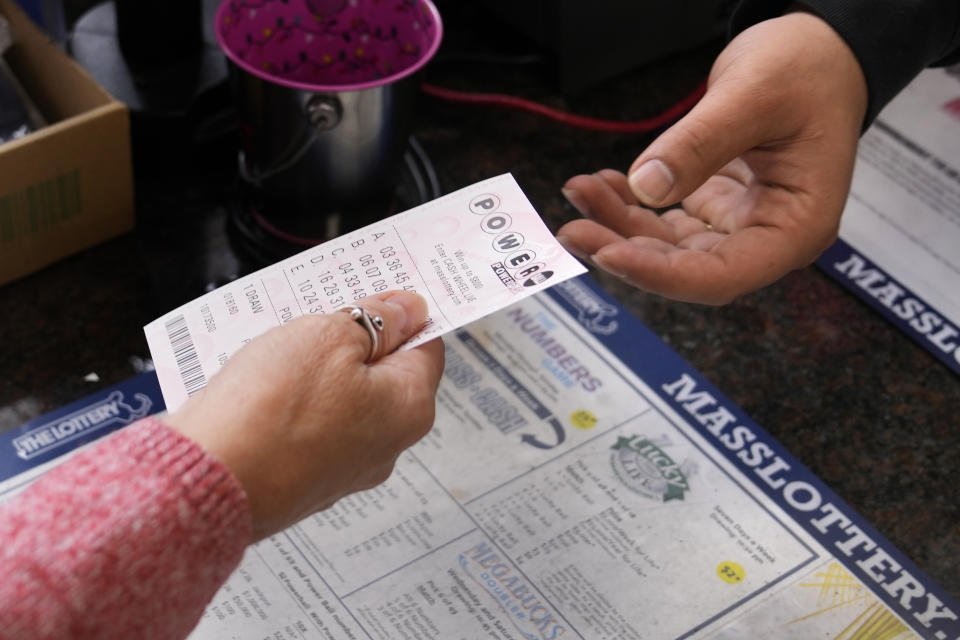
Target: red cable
[573,120]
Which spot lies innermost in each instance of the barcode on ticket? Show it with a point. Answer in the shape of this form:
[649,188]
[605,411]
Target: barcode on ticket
[185,354]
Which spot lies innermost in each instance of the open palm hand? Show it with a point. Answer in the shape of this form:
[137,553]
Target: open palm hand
[761,168]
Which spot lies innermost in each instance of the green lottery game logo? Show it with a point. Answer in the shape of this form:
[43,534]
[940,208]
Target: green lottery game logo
[644,467]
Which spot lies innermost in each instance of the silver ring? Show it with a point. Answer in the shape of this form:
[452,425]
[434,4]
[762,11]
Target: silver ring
[373,325]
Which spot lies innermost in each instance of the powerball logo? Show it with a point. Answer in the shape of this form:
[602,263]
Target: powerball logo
[519,267]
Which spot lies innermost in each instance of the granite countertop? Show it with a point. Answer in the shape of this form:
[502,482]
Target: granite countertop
[865,408]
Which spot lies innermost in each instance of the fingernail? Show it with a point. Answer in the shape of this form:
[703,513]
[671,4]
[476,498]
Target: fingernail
[652,182]
[571,246]
[573,197]
[411,310]
[598,260]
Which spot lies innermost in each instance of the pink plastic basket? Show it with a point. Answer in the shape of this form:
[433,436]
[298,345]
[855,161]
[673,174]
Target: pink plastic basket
[329,45]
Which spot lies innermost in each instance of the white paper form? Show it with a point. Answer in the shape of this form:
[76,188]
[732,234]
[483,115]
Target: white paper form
[469,254]
[899,243]
[550,500]
[581,482]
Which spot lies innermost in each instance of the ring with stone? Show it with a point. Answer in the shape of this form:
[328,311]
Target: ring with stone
[373,325]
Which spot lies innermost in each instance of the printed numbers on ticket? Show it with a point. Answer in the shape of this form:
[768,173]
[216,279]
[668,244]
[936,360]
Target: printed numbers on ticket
[469,253]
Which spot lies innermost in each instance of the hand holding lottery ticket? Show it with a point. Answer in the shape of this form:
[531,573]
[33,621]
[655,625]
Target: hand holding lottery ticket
[469,253]
[324,439]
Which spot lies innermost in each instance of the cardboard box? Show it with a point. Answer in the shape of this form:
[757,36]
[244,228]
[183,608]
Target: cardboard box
[69,185]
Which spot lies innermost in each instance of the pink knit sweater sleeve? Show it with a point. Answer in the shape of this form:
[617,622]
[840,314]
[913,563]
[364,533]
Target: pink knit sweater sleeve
[128,539]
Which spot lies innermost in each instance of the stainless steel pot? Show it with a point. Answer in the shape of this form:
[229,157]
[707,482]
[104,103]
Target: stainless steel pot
[322,158]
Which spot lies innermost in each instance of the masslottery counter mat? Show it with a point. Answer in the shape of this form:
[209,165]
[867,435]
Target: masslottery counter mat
[581,481]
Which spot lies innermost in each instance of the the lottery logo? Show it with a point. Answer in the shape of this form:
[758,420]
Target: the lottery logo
[112,411]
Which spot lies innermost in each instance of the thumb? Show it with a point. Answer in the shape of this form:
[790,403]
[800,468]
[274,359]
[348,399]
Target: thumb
[727,121]
[401,314]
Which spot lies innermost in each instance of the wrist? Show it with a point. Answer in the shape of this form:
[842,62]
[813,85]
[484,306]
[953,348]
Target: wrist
[205,430]
[836,59]
[828,61]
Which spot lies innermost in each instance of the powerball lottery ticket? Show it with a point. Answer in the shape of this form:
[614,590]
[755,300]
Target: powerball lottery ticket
[469,253]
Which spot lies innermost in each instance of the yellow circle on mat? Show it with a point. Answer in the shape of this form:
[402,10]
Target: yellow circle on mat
[731,572]
[583,419]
